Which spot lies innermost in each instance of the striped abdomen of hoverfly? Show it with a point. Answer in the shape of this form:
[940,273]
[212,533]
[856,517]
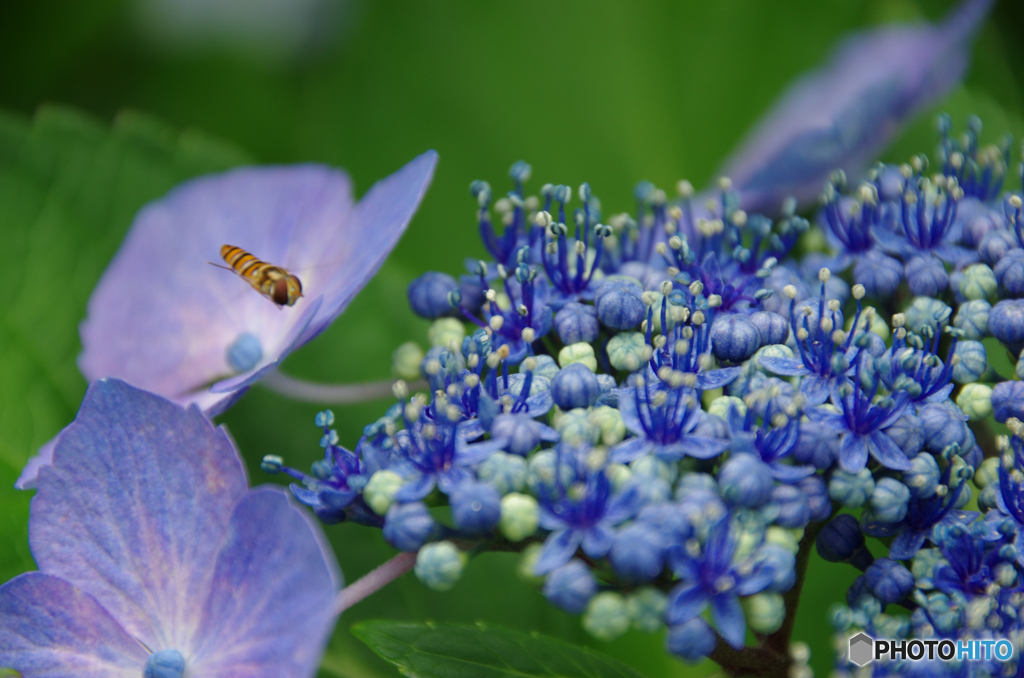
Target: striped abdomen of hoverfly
[273,282]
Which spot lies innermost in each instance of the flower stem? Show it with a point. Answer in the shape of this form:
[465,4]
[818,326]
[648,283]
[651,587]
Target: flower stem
[374,581]
[337,394]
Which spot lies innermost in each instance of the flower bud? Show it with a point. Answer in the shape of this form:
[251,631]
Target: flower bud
[978,282]
[764,612]
[408,526]
[1008,401]
[851,489]
[976,401]
[691,641]
[476,507]
[570,587]
[734,338]
[380,490]
[405,361]
[428,294]
[607,616]
[578,353]
[888,580]
[519,516]
[576,323]
[627,351]
[745,481]
[575,386]
[439,565]
[888,503]
[619,304]
[972,362]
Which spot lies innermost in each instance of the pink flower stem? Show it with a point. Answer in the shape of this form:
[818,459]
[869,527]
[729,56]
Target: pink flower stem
[374,581]
[337,394]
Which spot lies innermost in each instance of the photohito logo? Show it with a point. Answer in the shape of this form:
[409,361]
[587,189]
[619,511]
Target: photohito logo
[865,649]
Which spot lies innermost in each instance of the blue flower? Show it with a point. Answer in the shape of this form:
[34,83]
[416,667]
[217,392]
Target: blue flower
[711,577]
[433,449]
[580,509]
[662,420]
[861,425]
[827,353]
[153,554]
[770,444]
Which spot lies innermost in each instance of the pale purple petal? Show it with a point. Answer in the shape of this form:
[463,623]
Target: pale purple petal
[419,488]
[50,629]
[270,608]
[841,115]
[134,508]
[597,541]
[44,457]
[162,318]
[377,222]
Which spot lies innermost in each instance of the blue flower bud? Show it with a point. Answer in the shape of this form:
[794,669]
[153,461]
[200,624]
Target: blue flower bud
[637,554]
[818,500]
[888,503]
[428,294]
[575,386]
[476,507]
[943,427]
[851,489]
[607,616]
[472,292]
[979,220]
[782,563]
[619,304]
[576,323]
[923,477]
[1019,369]
[791,505]
[879,273]
[439,565]
[505,472]
[734,338]
[978,282]
[545,367]
[908,434]
[773,328]
[816,445]
[164,664]
[407,527]
[244,353]
[973,362]
[691,641]
[1006,323]
[1008,401]
[745,481]
[972,318]
[840,540]
[994,246]
[888,580]
[926,312]
[1009,272]
[570,587]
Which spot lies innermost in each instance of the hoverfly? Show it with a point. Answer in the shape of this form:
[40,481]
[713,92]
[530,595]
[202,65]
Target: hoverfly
[273,282]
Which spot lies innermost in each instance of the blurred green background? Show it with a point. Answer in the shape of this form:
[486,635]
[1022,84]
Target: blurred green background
[609,93]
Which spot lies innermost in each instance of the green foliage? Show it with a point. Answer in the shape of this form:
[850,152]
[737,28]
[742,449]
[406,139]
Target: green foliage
[69,188]
[451,650]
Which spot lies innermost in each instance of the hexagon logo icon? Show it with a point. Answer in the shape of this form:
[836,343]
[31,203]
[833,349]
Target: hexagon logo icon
[862,649]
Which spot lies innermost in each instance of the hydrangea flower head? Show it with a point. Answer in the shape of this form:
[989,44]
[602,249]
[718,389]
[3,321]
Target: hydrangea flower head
[154,556]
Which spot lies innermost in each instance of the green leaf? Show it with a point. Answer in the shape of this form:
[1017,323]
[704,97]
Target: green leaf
[483,651]
[69,188]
